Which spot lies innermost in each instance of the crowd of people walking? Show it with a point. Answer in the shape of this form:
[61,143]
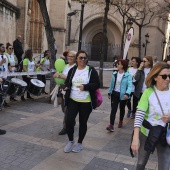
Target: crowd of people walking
[142,86]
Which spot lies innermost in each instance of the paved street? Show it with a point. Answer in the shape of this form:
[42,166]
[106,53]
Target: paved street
[32,141]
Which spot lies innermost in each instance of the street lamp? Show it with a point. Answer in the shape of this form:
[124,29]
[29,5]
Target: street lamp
[129,23]
[146,42]
[72,13]
[83,2]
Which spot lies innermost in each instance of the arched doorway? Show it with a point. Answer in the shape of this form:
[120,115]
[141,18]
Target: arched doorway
[36,27]
[96,47]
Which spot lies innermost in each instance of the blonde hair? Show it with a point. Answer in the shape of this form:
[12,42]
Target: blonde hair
[157,68]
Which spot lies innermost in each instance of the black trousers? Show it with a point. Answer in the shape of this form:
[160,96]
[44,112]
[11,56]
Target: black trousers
[43,79]
[135,103]
[84,110]
[115,101]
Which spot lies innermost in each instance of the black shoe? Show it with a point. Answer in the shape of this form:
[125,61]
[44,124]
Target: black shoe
[22,98]
[45,93]
[2,132]
[29,97]
[62,132]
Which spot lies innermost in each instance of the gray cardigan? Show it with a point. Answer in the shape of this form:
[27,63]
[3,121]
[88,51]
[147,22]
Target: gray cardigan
[140,78]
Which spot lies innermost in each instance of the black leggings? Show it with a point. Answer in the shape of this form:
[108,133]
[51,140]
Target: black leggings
[115,100]
[84,110]
[135,103]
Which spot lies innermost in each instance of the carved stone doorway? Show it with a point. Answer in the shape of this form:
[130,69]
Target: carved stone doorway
[96,47]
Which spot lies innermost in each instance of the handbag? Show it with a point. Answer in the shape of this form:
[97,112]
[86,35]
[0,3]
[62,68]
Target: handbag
[168,127]
[99,98]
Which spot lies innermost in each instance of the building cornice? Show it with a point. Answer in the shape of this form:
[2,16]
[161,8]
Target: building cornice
[11,7]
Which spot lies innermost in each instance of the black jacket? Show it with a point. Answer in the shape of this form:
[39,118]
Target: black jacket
[93,84]
[18,50]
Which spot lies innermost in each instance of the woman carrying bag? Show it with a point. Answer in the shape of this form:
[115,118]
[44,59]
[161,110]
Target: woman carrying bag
[152,116]
[81,83]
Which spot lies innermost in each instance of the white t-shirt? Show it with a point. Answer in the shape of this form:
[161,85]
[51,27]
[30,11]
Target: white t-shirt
[67,68]
[133,71]
[31,66]
[12,61]
[146,71]
[118,81]
[4,66]
[46,64]
[150,106]
[80,77]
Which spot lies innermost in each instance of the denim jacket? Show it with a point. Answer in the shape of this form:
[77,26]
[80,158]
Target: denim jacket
[125,86]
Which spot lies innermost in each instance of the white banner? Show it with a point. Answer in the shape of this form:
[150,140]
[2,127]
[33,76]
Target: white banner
[128,41]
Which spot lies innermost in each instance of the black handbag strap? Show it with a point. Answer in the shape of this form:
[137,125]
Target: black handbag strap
[158,101]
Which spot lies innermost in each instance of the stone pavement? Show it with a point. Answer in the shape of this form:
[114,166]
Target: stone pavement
[32,141]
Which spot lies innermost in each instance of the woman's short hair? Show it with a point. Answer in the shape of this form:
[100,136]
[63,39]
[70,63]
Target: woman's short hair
[157,68]
[124,63]
[8,45]
[81,51]
[73,52]
[65,53]
[150,59]
[138,60]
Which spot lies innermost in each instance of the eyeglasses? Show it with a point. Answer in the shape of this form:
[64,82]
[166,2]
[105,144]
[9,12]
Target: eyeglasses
[144,61]
[11,48]
[82,58]
[164,76]
[71,56]
[2,47]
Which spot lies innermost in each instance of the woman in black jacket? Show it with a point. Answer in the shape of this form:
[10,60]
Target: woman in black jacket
[81,83]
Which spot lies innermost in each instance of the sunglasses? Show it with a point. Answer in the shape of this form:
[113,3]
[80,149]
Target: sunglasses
[144,61]
[11,48]
[82,58]
[164,76]
[118,64]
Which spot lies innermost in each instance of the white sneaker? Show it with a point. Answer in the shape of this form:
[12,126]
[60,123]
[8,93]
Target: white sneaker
[77,148]
[68,147]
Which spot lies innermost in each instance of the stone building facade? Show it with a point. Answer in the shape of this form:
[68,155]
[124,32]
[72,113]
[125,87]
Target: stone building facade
[23,17]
